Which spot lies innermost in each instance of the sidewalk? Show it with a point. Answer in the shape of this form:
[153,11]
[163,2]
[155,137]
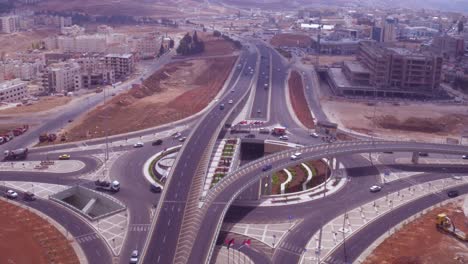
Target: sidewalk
[56,166]
[323,243]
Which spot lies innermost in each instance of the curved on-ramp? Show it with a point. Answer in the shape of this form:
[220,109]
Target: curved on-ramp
[220,198]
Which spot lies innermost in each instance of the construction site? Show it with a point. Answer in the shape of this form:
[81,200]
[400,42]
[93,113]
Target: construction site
[439,236]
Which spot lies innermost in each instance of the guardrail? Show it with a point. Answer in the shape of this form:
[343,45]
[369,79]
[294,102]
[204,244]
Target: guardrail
[332,149]
[185,244]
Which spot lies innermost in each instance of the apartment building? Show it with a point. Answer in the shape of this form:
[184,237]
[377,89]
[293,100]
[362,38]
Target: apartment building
[9,24]
[148,46]
[448,46]
[95,72]
[13,91]
[25,71]
[61,78]
[82,43]
[122,64]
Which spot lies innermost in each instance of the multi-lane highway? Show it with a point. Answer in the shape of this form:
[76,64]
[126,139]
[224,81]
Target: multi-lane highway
[183,181]
[222,195]
[184,226]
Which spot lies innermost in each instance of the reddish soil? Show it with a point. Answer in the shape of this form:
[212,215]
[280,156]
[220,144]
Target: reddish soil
[296,184]
[301,176]
[276,188]
[298,101]
[214,46]
[27,238]
[420,242]
[291,40]
[322,173]
[175,92]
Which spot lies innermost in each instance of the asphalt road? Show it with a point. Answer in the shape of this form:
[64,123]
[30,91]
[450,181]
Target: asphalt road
[223,193]
[359,242]
[259,107]
[94,248]
[163,241]
[58,120]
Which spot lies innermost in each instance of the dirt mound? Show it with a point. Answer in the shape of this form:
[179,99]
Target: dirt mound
[421,242]
[298,100]
[175,92]
[28,238]
[443,124]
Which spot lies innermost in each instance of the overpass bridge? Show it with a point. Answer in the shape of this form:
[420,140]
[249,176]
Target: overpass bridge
[215,205]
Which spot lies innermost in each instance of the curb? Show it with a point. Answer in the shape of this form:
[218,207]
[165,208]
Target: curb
[146,166]
[163,126]
[74,244]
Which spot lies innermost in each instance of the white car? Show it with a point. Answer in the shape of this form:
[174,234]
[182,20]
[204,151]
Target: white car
[465,156]
[375,188]
[296,155]
[230,101]
[134,257]
[177,135]
[11,194]
[456,178]
[284,137]
[182,139]
[138,145]
[314,135]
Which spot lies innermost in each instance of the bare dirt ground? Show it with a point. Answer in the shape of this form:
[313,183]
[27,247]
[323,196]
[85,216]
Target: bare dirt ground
[162,8]
[291,40]
[298,101]
[138,30]
[417,121]
[45,103]
[22,41]
[420,242]
[326,60]
[178,90]
[27,238]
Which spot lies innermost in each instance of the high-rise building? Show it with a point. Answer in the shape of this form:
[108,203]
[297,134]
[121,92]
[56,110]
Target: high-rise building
[377,34]
[389,29]
[448,46]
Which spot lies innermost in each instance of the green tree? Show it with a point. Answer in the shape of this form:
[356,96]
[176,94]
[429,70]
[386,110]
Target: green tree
[216,33]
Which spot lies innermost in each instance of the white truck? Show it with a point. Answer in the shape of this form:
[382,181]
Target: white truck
[113,186]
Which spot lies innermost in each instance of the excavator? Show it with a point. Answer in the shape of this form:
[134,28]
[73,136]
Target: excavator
[443,222]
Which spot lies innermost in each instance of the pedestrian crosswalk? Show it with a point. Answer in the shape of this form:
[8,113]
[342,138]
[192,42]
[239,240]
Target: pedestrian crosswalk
[87,238]
[139,227]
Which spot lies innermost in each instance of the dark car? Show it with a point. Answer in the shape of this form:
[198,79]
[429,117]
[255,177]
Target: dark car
[157,142]
[156,189]
[267,167]
[250,136]
[423,154]
[29,196]
[452,193]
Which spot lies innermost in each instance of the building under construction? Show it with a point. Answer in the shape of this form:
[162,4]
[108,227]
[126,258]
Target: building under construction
[388,71]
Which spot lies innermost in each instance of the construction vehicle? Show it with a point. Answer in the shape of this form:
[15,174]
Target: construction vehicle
[444,223]
[113,186]
[19,154]
[47,137]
